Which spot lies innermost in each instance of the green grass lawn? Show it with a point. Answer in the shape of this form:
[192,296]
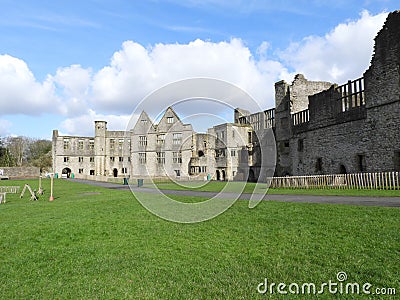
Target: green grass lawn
[216,186]
[95,243]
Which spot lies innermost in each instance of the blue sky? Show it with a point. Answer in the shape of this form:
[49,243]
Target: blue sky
[65,63]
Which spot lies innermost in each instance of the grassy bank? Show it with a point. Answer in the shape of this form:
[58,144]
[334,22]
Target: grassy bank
[102,244]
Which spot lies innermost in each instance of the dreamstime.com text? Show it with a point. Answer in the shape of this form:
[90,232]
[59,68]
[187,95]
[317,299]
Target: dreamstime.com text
[332,287]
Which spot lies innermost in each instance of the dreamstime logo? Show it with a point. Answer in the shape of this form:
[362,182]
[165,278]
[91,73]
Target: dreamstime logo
[332,287]
[169,148]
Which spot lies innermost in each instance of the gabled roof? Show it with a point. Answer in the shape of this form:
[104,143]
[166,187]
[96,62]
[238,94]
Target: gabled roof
[144,124]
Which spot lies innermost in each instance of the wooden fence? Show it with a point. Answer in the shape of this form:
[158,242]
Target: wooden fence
[9,189]
[377,181]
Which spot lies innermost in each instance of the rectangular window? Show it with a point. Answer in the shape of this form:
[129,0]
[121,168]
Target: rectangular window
[143,121]
[177,138]
[318,165]
[177,173]
[284,146]
[203,169]
[91,172]
[91,144]
[112,158]
[124,171]
[120,144]
[66,144]
[80,159]
[142,140]
[170,120]
[121,158]
[142,158]
[80,171]
[160,139]
[233,153]
[161,158]
[80,145]
[129,158]
[219,152]
[361,162]
[91,159]
[396,160]
[300,145]
[112,144]
[177,157]
[66,159]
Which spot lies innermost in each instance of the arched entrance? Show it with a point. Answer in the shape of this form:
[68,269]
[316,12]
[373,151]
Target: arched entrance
[115,172]
[223,175]
[218,175]
[342,169]
[66,172]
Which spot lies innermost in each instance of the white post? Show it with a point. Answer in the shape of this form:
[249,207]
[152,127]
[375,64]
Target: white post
[51,187]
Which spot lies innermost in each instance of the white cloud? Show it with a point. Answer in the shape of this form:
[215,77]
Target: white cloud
[73,84]
[20,92]
[134,71]
[84,124]
[342,54]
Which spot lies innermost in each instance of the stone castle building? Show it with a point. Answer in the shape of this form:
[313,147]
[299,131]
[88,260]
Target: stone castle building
[318,128]
[167,149]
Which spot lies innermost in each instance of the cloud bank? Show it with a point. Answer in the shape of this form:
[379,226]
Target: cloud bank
[111,93]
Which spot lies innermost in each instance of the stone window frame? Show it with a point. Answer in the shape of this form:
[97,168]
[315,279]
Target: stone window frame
[91,144]
[177,138]
[66,144]
[160,157]
[177,157]
[142,158]
[80,144]
[160,139]
[120,144]
[142,140]
[112,144]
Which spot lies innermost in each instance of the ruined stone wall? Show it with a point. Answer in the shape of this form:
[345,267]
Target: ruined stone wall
[301,88]
[20,172]
[382,94]
[291,99]
[350,130]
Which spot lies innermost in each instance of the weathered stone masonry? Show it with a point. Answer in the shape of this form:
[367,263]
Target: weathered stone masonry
[323,128]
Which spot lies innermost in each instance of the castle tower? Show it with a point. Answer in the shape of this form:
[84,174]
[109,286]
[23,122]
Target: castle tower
[382,100]
[100,146]
[282,128]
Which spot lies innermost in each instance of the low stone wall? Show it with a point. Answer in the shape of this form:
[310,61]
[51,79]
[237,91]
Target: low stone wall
[19,172]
